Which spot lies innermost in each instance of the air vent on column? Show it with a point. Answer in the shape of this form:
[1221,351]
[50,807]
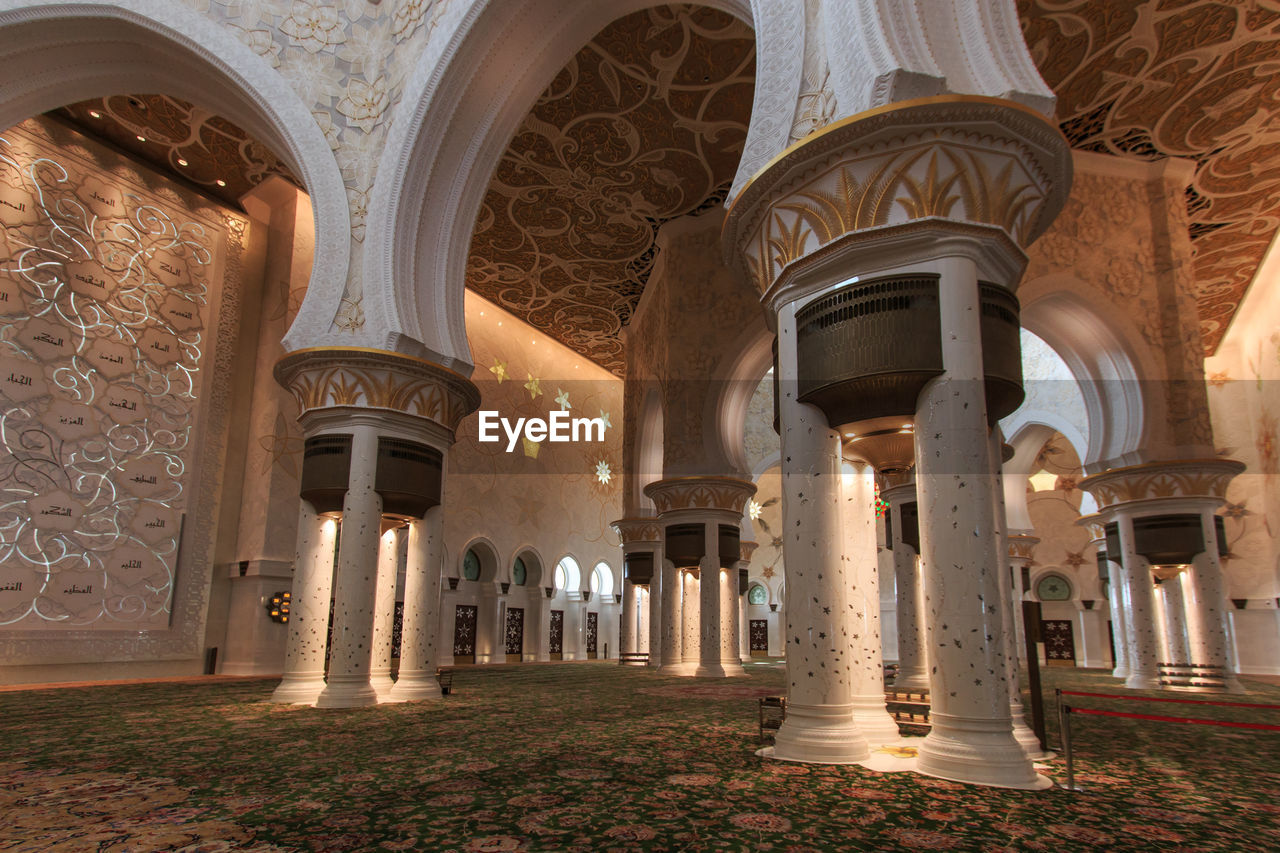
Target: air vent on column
[326,466]
[638,567]
[685,544]
[408,477]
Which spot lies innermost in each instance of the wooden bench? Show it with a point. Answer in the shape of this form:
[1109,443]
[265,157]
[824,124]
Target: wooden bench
[1193,676]
[909,707]
[773,710]
[633,659]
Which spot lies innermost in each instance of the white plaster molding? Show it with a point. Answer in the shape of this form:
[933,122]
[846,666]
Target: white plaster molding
[56,53]
[779,26]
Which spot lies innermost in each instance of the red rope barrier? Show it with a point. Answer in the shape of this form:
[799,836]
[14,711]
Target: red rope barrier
[1168,699]
[1228,724]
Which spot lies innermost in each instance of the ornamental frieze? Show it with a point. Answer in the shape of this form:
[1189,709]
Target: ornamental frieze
[351,377]
[1201,478]
[682,493]
[959,158]
[632,531]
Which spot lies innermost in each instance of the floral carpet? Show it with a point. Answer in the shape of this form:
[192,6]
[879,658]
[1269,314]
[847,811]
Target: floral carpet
[590,757]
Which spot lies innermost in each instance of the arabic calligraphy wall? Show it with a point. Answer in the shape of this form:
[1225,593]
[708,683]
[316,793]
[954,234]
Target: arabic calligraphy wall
[110,292]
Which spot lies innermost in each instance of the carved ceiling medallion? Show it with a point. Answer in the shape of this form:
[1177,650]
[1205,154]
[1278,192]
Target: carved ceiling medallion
[645,124]
[1193,79]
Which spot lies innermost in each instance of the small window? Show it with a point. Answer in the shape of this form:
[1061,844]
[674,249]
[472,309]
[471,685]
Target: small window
[602,580]
[519,573]
[471,566]
[1053,588]
[757,595]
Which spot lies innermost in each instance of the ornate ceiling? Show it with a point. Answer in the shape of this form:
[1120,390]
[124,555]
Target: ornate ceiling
[179,139]
[1179,78]
[645,124]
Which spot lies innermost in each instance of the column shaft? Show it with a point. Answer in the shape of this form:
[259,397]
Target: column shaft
[384,611]
[819,724]
[309,609]
[1144,648]
[1206,599]
[1175,621]
[672,618]
[972,735]
[627,619]
[417,679]
[1119,620]
[691,647]
[350,657]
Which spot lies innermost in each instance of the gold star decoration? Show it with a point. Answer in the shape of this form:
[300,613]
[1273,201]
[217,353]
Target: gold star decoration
[603,474]
[604,416]
[499,370]
[534,387]
[562,399]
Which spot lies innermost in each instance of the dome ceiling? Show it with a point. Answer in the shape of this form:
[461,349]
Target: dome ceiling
[645,124]
[1178,78]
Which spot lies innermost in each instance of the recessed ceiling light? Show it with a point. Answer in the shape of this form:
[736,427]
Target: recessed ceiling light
[95,113]
[181,162]
[499,322]
[220,182]
[142,139]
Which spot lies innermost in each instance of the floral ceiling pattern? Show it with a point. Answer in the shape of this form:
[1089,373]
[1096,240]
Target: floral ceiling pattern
[645,124]
[1178,78]
[180,139]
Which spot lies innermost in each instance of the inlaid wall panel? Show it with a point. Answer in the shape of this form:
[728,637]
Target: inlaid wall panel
[111,295]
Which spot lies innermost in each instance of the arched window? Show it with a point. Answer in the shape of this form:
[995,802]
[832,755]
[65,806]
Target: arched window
[519,573]
[602,580]
[471,566]
[567,575]
[1053,588]
[757,595]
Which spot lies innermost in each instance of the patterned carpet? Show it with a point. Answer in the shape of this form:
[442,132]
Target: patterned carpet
[589,757]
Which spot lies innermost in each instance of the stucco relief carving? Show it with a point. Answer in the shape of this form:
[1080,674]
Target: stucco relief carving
[633,531]
[685,493]
[371,379]
[1203,478]
[862,175]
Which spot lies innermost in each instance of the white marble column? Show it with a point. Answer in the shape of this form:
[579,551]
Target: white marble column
[744,626]
[309,609]
[384,611]
[672,619]
[861,555]
[717,657]
[657,601]
[690,642]
[1175,620]
[971,739]
[627,620]
[417,678]
[642,618]
[1144,646]
[356,581]
[1119,628]
[913,671]
[1022,733]
[1206,605]
[819,724]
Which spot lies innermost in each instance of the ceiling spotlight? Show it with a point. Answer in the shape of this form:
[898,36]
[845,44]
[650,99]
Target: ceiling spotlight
[220,182]
[142,139]
[95,113]
[182,162]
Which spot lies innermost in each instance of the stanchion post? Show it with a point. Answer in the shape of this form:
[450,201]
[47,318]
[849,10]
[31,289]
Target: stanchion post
[1064,730]
[1031,633]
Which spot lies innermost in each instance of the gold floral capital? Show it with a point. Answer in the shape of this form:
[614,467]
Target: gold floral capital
[354,377]
[716,493]
[637,531]
[1022,546]
[748,548]
[1195,478]
[961,158]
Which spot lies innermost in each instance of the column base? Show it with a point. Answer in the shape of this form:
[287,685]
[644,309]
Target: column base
[916,678]
[820,734]
[978,751]
[412,687]
[354,694]
[1025,737]
[723,669]
[679,668]
[299,689]
[1142,681]
[381,684]
[1121,671]
[873,719]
